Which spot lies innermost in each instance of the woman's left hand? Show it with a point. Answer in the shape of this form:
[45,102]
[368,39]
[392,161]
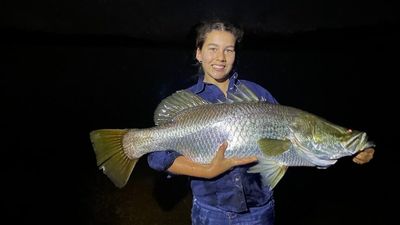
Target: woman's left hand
[364,156]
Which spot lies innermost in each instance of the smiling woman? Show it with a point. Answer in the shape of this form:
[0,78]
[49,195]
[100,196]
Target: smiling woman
[223,190]
[215,51]
[217,56]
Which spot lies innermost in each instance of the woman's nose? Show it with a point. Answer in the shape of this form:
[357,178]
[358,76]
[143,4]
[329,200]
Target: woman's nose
[221,56]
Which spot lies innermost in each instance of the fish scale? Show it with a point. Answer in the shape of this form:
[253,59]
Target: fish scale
[203,129]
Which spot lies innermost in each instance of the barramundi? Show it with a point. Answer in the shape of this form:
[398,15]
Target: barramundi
[279,136]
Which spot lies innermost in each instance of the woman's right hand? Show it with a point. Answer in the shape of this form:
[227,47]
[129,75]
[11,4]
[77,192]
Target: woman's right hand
[218,165]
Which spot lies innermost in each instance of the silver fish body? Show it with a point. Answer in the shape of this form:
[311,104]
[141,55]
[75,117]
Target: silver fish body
[198,131]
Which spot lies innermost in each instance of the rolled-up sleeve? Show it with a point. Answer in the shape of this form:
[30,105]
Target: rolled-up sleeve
[162,160]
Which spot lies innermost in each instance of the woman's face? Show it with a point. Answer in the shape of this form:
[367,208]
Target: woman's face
[217,55]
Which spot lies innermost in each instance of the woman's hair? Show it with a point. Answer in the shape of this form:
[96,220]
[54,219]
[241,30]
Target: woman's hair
[207,26]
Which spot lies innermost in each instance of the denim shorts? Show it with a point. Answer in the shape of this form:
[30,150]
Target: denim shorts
[203,214]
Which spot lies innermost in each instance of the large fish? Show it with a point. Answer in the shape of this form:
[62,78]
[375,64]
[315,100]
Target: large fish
[279,136]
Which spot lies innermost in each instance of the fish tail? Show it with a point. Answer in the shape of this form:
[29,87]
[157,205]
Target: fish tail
[110,155]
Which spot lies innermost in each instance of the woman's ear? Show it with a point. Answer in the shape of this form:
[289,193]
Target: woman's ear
[198,55]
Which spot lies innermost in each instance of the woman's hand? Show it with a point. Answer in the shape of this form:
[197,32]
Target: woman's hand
[220,164]
[364,156]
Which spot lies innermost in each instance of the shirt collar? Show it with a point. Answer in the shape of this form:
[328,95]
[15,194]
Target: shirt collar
[201,85]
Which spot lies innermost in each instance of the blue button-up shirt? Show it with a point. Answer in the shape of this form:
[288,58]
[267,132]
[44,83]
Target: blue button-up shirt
[235,190]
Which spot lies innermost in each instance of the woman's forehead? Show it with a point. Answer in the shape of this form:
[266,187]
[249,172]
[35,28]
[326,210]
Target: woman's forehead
[218,37]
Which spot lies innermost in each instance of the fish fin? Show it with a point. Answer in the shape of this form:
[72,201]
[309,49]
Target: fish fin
[177,102]
[273,147]
[241,94]
[271,172]
[322,167]
[110,155]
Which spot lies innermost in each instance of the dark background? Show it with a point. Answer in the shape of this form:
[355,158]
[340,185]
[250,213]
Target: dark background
[70,67]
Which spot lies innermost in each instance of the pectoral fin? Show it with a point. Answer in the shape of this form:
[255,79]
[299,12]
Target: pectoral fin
[273,147]
[271,172]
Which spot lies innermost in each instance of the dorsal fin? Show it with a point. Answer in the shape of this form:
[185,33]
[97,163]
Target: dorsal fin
[241,94]
[177,102]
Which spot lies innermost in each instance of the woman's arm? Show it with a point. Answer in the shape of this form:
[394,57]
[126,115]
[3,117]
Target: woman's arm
[219,164]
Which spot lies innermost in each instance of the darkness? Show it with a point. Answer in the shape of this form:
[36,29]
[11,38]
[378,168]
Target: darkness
[72,67]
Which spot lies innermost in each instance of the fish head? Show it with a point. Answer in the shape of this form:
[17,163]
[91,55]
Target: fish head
[325,140]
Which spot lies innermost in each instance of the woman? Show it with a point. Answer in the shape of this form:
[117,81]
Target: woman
[223,192]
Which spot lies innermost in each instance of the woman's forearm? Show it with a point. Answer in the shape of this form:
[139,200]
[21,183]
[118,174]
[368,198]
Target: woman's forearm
[184,166]
[218,165]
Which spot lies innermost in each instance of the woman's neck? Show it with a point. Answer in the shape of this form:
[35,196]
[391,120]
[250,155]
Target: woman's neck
[221,84]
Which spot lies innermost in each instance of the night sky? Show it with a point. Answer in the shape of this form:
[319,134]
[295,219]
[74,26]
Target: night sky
[70,67]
